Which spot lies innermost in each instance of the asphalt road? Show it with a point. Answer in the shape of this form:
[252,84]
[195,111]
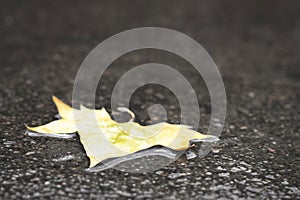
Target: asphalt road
[256,47]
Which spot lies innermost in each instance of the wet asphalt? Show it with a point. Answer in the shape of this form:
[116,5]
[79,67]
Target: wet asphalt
[256,47]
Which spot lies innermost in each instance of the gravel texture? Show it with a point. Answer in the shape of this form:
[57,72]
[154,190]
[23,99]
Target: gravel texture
[254,43]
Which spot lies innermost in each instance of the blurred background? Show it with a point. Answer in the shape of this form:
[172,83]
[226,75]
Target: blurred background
[255,44]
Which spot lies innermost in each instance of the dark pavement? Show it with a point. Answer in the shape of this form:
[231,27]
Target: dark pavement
[256,47]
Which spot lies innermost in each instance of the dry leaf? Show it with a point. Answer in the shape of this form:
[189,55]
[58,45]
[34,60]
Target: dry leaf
[104,138]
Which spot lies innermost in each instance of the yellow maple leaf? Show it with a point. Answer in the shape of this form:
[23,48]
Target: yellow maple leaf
[108,139]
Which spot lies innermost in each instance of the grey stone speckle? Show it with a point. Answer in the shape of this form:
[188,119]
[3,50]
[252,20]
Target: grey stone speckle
[256,47]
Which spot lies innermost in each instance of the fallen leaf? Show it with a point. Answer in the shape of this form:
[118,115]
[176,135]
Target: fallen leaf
[104,138]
